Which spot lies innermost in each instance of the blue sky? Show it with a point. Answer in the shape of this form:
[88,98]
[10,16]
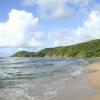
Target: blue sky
[35,24]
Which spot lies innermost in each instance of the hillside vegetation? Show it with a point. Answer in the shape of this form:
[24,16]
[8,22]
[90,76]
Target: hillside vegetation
[85,49]
[23,54]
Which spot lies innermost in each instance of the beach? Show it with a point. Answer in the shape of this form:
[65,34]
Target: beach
[79,89]
[49,79]
[94,79]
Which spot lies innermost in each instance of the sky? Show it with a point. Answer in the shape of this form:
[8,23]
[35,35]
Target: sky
[32,25]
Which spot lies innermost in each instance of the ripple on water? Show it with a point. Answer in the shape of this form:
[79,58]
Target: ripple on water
[36,78]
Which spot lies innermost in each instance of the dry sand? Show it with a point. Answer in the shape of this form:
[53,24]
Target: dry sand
[94,66]
[95,97]
[94,78]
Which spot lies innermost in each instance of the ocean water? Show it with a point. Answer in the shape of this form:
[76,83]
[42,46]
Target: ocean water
[37,78]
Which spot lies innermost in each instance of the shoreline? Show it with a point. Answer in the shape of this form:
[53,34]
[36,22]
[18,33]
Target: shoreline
[94,78]
[86,87]
[78,89]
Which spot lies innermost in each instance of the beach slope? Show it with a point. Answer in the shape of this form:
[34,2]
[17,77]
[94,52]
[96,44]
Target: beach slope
[94,79]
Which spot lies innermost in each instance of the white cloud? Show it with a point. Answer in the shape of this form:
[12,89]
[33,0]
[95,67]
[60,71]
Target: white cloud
[53,8]
[57,8]
[37,39]
[88,31]
[59,39]
[18,30]
[90,28]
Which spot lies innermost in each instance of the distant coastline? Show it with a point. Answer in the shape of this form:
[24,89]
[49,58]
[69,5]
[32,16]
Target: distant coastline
[85,49]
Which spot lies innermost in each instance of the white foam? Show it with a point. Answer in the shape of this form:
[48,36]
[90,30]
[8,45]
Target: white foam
[29,97]
[50,93]
[76,73]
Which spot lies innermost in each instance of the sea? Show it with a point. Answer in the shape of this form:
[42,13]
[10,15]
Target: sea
[37,78]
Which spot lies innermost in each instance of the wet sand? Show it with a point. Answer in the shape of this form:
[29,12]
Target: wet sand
[94,79]
[86,87]
[78,89]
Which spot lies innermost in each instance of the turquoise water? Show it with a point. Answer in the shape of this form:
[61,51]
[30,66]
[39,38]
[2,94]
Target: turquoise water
[34,78]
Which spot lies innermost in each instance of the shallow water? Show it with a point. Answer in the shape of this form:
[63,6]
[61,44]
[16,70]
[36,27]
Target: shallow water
[37,78]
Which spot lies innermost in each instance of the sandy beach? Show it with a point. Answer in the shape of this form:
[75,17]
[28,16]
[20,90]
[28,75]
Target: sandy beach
[78,89]
[94,79]
[86,87]
[68,79]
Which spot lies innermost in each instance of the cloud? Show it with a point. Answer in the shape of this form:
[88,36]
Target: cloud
[88,31]
[90,28]
[18,30]
[59,39]
[53,8]
[57,8]
[37,39]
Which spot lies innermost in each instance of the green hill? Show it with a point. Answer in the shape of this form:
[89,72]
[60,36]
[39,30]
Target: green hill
[85,49]
[23,54]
